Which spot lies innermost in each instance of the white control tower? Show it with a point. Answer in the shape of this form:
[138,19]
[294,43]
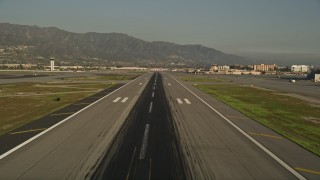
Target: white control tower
[52,64]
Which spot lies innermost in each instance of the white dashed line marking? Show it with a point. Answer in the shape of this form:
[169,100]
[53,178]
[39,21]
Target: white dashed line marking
[150,107]
[187,101]
[179,101]
[154,88]
[117,99]
[124,99]
[144,142]
[152,94]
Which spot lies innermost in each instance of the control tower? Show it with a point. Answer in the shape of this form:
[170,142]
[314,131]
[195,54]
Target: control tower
[52,64]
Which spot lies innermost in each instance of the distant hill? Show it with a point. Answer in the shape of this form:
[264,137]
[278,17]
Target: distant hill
[32,42]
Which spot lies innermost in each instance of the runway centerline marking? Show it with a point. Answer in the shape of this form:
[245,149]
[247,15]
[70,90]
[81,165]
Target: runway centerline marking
[308,171]
[26,131]
[117,99]
[152,94]
[124,99]
[179,101]
[59,114]
[150,107]
[144,142]
[276,158]
[265,135]
[187,101]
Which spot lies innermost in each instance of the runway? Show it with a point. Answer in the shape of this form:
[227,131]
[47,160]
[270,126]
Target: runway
[72,149]
[158,127]
[222,140]
[146,147]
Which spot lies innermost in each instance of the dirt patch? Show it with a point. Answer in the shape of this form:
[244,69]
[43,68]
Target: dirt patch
[312,120]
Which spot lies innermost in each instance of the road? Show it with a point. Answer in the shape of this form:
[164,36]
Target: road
[158,127]
[72,149]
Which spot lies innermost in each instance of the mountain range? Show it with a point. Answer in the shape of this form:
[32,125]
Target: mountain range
[33,44]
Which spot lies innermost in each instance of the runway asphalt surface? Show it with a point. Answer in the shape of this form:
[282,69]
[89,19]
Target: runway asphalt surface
[71,148]
[21,134]
[302,87]
[158,127]
[146,147]
[221,140]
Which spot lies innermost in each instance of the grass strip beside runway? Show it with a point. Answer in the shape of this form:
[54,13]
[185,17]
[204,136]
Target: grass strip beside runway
[21,103]
[294,118]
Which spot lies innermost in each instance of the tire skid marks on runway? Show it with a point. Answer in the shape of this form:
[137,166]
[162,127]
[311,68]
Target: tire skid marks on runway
[118,98]
[131,162]
[144,142]
[181,102]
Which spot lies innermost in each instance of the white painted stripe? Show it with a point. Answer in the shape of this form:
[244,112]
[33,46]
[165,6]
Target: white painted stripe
[55,125]
[154,88]
[276,158]
[117,99]
[124,99]
[144,142]
[152,94]
[154,84]
[179,101]
[169,84]
[187,101]
[150,107]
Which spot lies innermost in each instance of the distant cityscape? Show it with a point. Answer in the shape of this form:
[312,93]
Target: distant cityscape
[256,69]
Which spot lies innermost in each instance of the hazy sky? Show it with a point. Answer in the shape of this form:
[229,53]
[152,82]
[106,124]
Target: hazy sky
[234,26]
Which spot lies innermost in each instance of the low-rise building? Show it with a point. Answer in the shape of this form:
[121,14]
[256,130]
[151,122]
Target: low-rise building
[299,68]
[316,77]
[213,68]
[223,68]
[264,67]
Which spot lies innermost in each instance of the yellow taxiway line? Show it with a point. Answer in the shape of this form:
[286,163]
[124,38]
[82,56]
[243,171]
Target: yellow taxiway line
[266,135]
[26,131]
[61,114]
[308,171]
[237,117]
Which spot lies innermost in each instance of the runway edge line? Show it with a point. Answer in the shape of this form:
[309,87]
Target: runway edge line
[276,158]
[59,123]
